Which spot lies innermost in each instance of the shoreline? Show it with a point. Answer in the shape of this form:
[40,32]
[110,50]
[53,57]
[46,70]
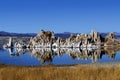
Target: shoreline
[99,64]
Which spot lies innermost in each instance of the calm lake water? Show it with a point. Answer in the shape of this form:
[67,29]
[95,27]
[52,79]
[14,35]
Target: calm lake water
[39,56]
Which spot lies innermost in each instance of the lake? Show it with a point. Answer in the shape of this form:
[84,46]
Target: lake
[57,56]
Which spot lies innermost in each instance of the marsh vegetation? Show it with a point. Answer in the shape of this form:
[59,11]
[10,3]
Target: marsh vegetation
[69,72]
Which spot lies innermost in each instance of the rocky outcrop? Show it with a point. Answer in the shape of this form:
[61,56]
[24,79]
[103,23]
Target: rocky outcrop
[110,39]
[96,37]
[75,40]
[47,39]
[43,38]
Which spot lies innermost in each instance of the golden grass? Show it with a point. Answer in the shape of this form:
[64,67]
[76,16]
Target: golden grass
[77,72]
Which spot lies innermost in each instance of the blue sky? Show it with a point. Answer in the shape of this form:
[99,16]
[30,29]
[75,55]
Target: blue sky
[80,16]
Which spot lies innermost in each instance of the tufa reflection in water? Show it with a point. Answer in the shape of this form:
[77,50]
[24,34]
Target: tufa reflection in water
[47,54]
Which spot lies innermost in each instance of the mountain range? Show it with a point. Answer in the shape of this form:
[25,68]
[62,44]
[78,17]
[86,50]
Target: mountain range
[63,35]
[3,33]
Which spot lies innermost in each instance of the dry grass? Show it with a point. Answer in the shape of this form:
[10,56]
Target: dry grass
[77,72]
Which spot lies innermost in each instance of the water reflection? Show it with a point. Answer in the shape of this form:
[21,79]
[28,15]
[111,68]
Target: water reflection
[47,54]
[44,55]
[16,51]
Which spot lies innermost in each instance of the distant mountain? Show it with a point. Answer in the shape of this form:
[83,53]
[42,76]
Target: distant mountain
[63,35]
[3,33]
